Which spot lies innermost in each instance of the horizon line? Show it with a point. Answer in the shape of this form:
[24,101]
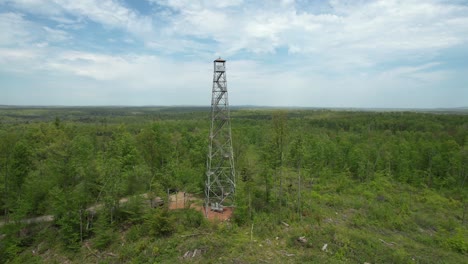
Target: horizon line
[231,106]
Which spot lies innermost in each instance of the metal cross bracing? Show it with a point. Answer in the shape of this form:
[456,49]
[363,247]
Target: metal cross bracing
[220,182]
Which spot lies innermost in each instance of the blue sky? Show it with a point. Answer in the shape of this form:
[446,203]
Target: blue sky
[361,53]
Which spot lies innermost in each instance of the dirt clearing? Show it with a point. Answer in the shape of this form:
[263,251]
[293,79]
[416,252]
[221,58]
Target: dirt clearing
[182,200]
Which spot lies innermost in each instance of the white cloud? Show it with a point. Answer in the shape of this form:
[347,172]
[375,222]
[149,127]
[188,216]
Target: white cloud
[197,4]
[16,59]
[131,70]
[14,29]
[109,13]
[17,31]
[56,35]
[348,33]
[93,78]
[43,7]
[365,32]
[69,13]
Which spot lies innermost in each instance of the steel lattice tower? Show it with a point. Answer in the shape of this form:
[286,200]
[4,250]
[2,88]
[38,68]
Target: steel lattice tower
[220,182]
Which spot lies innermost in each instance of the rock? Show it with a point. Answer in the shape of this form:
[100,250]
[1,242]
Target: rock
[190,254]
[302,239]
[324,248]
[286,253]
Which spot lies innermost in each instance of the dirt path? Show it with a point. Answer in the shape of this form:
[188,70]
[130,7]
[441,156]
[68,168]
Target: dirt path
[178,200]
[44,218]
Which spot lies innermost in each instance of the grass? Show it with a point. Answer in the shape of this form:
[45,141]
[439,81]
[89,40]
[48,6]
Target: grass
[376,222]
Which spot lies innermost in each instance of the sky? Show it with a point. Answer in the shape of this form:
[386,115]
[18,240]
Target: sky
[310,53]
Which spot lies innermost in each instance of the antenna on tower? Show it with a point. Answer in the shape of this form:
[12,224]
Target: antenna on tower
[220,184]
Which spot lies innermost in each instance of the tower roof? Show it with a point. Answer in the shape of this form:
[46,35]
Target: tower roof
[219,60]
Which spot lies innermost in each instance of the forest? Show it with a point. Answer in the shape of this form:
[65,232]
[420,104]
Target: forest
[313,186]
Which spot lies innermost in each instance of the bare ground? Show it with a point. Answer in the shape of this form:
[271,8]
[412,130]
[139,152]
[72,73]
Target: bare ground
[182,200]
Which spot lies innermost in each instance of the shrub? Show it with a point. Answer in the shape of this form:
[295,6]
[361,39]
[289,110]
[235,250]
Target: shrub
[104,237]
[458,242]
[159,223]
[192,218]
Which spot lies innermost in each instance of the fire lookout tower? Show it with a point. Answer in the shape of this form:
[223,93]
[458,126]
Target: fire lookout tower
[220,182]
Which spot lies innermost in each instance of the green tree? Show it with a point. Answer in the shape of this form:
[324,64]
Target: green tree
[20,166]
[7,143]
[115,167]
